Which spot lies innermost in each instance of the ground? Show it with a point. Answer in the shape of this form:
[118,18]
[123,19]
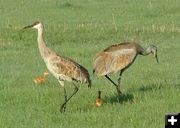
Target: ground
[78,29]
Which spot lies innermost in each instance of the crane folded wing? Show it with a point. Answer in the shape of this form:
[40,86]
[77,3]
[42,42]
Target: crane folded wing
[67,69]
[113,61]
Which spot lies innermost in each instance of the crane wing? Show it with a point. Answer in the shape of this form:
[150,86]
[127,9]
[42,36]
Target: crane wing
[68,69]
[110,62]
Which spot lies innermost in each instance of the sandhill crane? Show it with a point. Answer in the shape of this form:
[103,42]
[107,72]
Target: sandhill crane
[46,73]
[39,80]
[99,101]
[62,68]
[118,58]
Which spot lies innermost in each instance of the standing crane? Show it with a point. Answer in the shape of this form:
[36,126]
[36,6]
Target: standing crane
[118,58]
[62,68]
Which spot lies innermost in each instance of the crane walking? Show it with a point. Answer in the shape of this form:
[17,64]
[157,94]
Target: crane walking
[118,58]
[62,68]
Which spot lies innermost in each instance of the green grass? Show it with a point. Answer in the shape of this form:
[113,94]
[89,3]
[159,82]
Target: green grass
[78,29]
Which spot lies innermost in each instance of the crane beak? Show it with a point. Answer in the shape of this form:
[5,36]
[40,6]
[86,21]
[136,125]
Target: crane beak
[29,26]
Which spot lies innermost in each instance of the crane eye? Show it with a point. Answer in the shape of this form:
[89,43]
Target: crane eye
[35,23]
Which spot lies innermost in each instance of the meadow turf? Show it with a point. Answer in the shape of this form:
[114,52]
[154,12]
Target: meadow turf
[78,29]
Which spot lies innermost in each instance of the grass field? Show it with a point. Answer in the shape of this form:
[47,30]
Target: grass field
[78,29]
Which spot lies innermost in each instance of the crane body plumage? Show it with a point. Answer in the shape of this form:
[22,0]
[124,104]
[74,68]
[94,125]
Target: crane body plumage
[62,68]
[118,58]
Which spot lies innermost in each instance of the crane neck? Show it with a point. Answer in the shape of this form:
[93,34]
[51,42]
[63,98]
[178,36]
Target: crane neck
[44,50]
[40,37]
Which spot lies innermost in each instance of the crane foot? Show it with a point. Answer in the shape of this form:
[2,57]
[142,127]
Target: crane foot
[119,92]
[63,108]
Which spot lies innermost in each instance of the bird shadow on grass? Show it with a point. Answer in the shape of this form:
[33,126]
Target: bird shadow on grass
[129,95]
[124,97]
[147,88]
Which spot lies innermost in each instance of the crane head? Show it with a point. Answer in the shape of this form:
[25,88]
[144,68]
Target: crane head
[154,52]
[35,25]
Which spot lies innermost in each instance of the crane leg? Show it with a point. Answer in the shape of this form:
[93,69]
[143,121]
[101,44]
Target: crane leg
[119,82]
[65,98]
[117,86]
[65,94]
[63,106]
